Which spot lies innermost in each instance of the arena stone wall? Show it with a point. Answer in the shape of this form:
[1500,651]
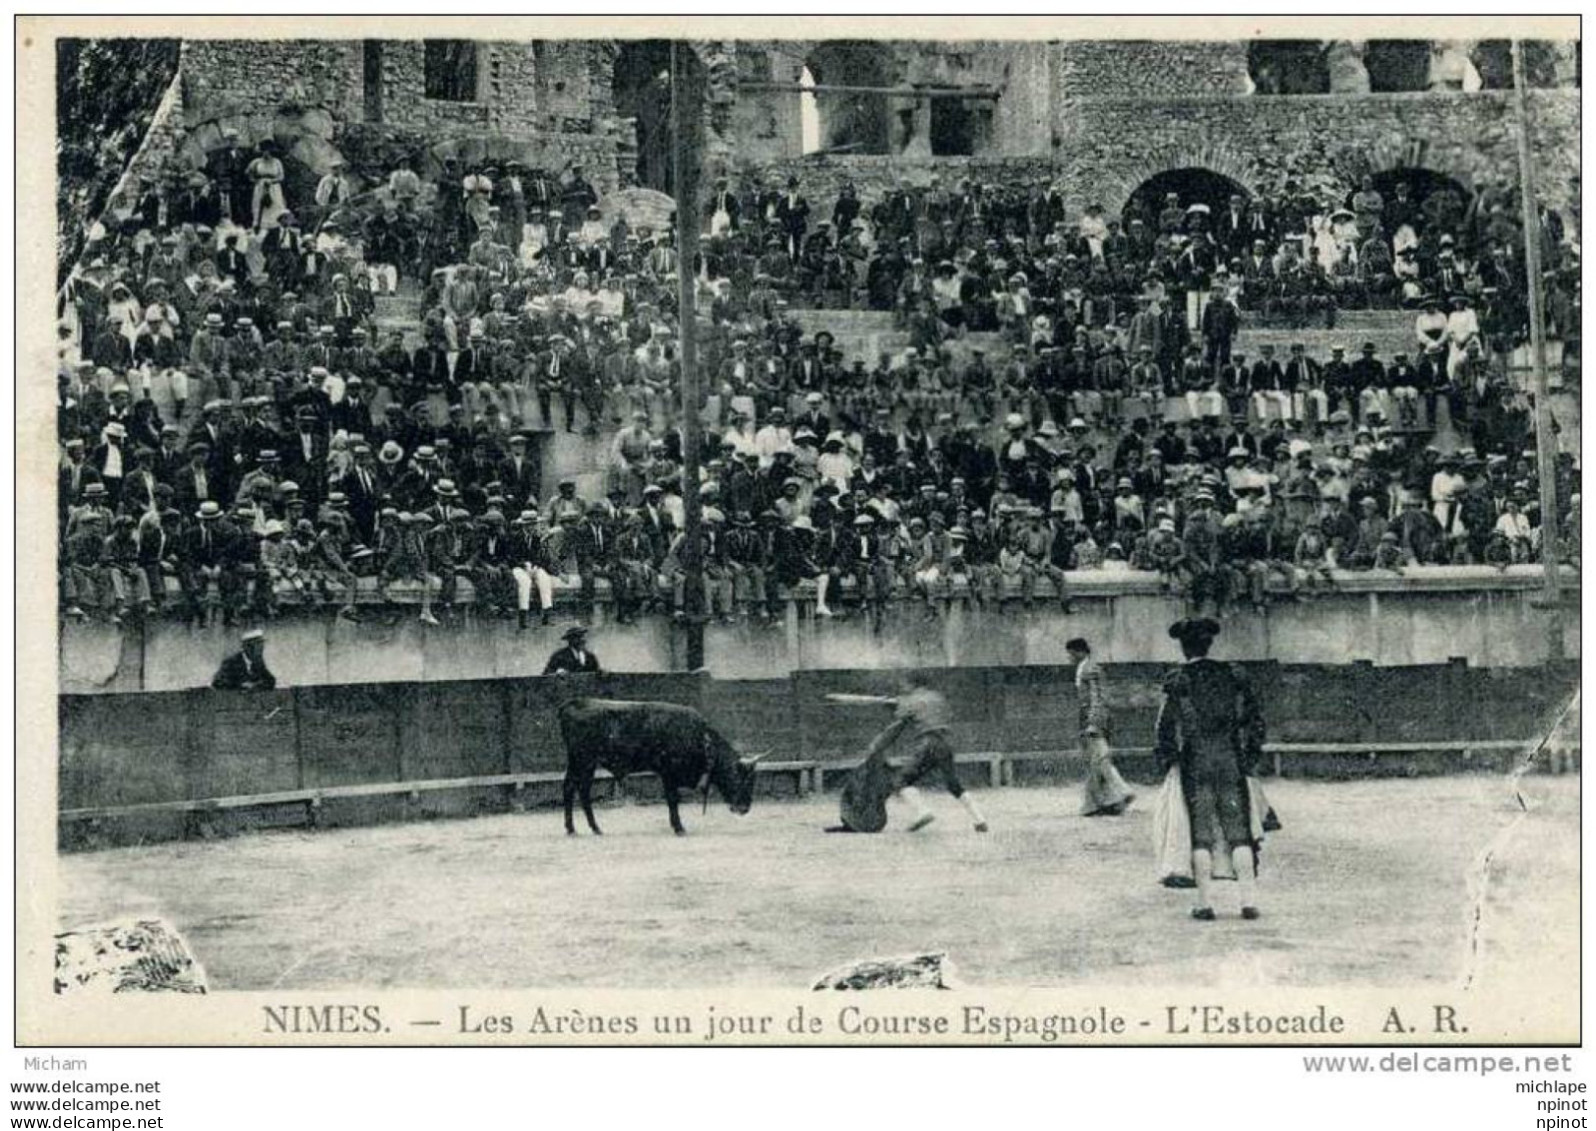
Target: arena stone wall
[1386,624]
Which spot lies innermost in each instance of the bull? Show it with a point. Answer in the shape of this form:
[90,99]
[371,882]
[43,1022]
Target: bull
[676,743]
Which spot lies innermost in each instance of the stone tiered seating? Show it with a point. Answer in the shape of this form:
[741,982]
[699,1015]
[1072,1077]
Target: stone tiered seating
[1389,330]
[863,334]
[400,312]
[866,334]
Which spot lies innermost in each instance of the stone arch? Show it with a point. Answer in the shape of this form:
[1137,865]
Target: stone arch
[304,137]
[1116,188]
[852,123]
[1193,185]
[1399,153]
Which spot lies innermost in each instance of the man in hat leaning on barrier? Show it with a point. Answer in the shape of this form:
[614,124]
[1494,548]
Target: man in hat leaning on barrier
[245,669]
[574,656]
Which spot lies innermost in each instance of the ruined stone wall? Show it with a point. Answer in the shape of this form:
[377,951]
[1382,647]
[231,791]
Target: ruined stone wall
[404,101]
[1169,105]
[1023,118]
[572,83]
[541,101]
[166,131]
[1147,69]
[1110,146]
[525,90]
[258,76]
[766,125]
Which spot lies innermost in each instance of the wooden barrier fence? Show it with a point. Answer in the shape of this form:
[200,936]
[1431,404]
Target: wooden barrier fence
[202,751]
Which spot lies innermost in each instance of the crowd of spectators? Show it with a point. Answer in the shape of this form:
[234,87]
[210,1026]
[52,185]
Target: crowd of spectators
[235,421]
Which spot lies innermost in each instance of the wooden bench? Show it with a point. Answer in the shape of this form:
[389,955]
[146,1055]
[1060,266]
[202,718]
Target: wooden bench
[993,762]
[1001,764]
[810,776]
[313,798]
[1280,753]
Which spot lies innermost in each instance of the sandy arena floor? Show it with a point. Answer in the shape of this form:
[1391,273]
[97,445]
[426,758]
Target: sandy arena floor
[1367,884]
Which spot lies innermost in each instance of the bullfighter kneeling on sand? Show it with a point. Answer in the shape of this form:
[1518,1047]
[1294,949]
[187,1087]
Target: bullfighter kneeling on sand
[925,713]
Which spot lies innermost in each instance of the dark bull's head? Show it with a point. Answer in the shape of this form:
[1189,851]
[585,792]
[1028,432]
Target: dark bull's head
[733,776]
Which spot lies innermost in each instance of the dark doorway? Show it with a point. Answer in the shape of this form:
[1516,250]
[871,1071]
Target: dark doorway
[642,91]
[449,70]
[1493,58]
[371,74]
[953,128]
[1423,185]
[1288,66]
[1191,185]
[1397,65]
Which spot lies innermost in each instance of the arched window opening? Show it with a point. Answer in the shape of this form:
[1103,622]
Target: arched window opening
[850,121]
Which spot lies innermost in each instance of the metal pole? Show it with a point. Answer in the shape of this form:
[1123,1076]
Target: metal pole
[686,120]
[1545,449]
[892,91]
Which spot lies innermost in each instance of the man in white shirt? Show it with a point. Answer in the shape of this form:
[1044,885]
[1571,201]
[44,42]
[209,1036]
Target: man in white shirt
[772,438]
[1446,494]
[1514,524]
[334,189]
[629,455]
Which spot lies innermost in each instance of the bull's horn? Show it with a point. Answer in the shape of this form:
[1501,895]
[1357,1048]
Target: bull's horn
[753,759]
